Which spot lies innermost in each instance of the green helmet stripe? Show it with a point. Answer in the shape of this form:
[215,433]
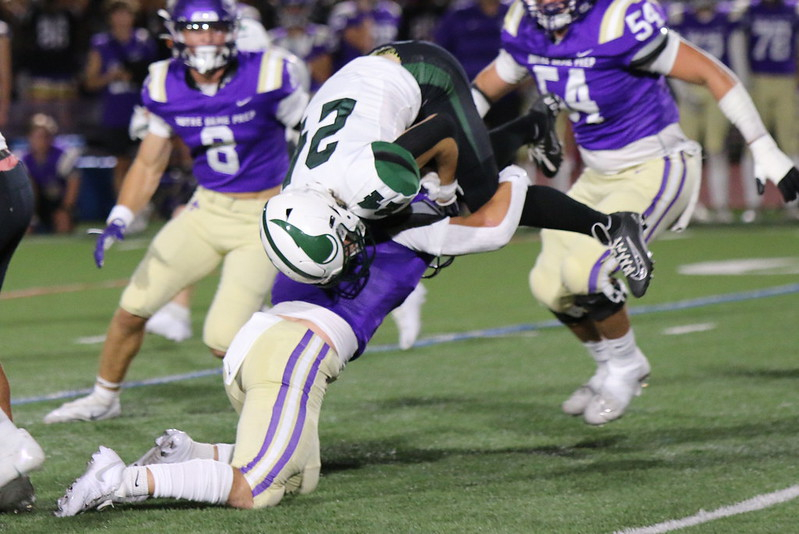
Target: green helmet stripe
[320,248]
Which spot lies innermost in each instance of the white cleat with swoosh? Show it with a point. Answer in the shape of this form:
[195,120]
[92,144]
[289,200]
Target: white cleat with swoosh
[96,487]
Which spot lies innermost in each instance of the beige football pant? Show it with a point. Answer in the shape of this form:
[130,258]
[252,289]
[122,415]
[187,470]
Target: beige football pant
[214,228]
[278,393]
[574,264]
[702,120]
[775,99]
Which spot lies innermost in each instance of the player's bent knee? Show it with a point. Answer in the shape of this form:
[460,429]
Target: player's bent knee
[600,306]
[545,288]
[240,492]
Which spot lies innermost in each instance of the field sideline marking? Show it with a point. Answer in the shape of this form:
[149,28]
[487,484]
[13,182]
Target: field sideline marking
[759,502]
[447,338]
[65,288]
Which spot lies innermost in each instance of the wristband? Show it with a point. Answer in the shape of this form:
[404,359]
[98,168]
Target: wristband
[120,213]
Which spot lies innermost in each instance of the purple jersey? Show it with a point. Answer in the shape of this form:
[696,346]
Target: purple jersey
[711,34]
[120,97]
[394,273]
[593,69]
[470,35]
[52,173]
[772,30]
[236,140]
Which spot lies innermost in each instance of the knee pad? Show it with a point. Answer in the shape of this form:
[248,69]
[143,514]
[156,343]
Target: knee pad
[600,306]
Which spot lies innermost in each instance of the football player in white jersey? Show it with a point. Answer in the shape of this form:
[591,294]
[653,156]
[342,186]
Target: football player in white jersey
[607,60]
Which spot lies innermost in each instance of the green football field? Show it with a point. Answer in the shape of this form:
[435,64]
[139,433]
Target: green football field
[463,433]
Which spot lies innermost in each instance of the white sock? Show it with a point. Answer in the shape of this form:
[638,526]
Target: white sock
[225,452]
[623,349]
[196,480]
[598,350]
[106,395]
[134,482]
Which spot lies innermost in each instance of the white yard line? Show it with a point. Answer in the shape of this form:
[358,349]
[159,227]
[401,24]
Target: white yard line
[759,502]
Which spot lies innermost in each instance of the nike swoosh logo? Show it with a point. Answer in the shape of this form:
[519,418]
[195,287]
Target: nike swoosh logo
[243,102]
[136,482]
[585,52]
[320,248]
[99,474]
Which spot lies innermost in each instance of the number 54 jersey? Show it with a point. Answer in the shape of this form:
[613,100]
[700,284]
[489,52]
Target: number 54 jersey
[347,130]
[237,135]
[598,69]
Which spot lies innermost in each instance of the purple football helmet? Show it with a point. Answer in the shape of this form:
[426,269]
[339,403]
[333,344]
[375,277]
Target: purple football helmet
[202,15]
[555,16]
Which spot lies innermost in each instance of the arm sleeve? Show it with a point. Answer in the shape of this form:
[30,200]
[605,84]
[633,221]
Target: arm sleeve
[447,238]
[158,126]
[507,68]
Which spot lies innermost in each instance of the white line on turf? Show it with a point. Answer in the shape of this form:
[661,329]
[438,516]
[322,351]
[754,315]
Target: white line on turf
[759,502]
[688,329]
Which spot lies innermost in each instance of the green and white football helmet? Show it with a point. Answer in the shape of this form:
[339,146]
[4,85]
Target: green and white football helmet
[312,239]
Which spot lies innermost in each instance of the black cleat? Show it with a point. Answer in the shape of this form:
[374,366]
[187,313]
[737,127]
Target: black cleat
[625,238]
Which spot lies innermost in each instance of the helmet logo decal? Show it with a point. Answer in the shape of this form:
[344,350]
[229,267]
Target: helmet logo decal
[320,248]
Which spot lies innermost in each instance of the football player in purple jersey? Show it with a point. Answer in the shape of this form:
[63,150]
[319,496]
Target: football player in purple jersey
[608,61]
[19,452]
[278,367]
[715,28]
[772,30]
[231,109]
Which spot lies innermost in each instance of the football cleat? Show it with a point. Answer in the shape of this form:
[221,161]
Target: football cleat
[625,238]
[172,321]
[95,488]
[408,317]
[617,391]
[173,446]
[577,402]
[89,408]
[19,455]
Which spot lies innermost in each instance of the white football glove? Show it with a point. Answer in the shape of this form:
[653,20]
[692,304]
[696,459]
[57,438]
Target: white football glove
[773,164]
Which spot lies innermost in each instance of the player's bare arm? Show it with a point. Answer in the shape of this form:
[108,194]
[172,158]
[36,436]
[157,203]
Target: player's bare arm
[145,173]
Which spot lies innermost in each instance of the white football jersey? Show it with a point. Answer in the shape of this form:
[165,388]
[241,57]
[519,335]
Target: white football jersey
[345,145]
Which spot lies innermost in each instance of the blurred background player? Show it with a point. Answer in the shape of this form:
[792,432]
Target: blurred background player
[116,66]
[233,120]
[609,67]
[361,25]
[312,43]
[772,29]
[19,452]
[711,26]
[56,181]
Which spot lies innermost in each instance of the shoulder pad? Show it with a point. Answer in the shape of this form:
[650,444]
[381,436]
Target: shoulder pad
[156,80]
[270,75]
[642,18]
[513,18]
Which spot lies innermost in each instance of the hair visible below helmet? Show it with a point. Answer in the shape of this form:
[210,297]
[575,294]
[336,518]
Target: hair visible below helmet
[198,15]
[310,238]
[555,16]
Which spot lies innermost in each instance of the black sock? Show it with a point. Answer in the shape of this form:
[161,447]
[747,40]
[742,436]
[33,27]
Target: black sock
[546,207]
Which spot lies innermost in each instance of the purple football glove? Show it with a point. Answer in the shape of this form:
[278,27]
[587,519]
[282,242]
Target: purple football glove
[115,231]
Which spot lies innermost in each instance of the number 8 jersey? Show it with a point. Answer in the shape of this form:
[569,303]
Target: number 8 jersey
[236,135]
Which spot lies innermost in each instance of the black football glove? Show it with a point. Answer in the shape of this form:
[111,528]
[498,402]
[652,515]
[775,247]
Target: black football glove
[789,185]
[547,151]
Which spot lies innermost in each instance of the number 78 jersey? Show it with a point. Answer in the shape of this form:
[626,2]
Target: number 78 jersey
[346,136]
[597,69]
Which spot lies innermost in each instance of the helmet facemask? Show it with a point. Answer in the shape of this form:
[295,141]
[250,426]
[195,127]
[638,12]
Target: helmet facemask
[556,16]
[218,16]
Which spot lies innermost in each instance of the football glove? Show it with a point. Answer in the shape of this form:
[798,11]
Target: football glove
[547,151]
[118,221]
[444,195]
[771,163]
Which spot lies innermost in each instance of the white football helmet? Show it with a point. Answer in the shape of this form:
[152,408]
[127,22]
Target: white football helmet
[196,15]
[554,16]
[310,238]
